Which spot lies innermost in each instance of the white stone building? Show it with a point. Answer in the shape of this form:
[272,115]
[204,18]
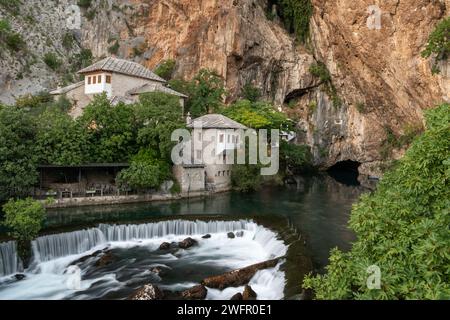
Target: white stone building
[215,139]
[121,80]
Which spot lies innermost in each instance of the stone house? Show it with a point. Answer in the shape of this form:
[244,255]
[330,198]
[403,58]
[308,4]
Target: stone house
[121,80]
[214,140]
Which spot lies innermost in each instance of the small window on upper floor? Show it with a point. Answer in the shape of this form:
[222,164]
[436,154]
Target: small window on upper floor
[221,138]
[99,79]
[94,80]
[89,80]
[199,136]
[108,79]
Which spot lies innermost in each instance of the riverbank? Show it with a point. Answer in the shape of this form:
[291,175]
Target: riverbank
[126,199]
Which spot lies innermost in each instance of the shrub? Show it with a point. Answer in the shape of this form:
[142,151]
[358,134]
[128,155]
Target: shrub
[251,93]
[439,43]
[402,227]
[84,3]
[296,15]
[165,69]
[15,41]
[114,48]
[68,40]
[52,61]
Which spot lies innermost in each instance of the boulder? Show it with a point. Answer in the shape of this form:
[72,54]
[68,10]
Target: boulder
[231,235]
[238,277]
[147,292]
[105,260]
[240,234]
[196,293]
[187,243]
[249,294]
[237,296]
[20,276]
[208,236]
[164,246]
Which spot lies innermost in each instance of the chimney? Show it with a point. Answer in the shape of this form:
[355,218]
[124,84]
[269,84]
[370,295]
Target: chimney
[188,118]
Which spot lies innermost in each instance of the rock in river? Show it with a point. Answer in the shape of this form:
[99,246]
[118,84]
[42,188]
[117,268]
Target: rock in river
[196,293]
[237,296]
[187,243]
[231,235]
[249,294]
[164,246]
[105,260]
[147,292]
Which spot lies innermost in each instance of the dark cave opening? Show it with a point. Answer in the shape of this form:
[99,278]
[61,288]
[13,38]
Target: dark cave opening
[346,172]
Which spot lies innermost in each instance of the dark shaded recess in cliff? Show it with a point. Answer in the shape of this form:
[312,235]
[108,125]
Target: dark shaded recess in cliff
[346,172]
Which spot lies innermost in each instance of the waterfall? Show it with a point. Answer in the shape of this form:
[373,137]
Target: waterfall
[60,245]
[9,260]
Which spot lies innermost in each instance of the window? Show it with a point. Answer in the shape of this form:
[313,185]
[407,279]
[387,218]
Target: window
[218,174]
[99,79]
[228,173]
[94,80]
[224,159]
[224,173]
[89,80]
[229,138]
[199,154]
[199,136]
[108,79]
[221,138]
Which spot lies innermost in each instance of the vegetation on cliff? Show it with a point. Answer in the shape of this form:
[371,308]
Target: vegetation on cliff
[402,227]
[439,43]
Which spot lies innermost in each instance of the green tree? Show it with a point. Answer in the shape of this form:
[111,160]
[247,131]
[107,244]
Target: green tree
[296,15]
[165,69]
[59,140]
[206,93]
[18,160]
[439,42]
[295,157]
[257,115]
[111,131]
[158,115]
[24,218]
[145,172]
[403,227]
[246,177]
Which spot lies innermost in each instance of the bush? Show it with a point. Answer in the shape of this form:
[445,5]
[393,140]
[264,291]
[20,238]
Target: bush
[246,177]
[15,41]
[402,227]
[296,15]
[114,48]
[24,218]
[68,40]
[52,61]
[439,43]
[296,157]
[84,3]
[251,93]
[165,69]
[145,172]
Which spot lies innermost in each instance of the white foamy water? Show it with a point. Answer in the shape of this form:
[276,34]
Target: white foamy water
[9,261]
[47,277]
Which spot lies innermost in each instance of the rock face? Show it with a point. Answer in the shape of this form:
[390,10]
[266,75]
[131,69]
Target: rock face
[147,292]
[380,77]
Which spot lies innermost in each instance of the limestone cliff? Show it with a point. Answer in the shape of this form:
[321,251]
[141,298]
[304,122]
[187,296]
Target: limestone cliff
[381,80]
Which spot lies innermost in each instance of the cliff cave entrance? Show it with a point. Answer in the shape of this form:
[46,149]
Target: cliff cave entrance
[346,172]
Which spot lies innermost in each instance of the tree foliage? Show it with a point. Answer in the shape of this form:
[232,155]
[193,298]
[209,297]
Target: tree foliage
[18,160]
[158,115]
[206,92]
[59,140]
[145,172]
[403,227]
[257,115]
[111,132]
[24,218]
